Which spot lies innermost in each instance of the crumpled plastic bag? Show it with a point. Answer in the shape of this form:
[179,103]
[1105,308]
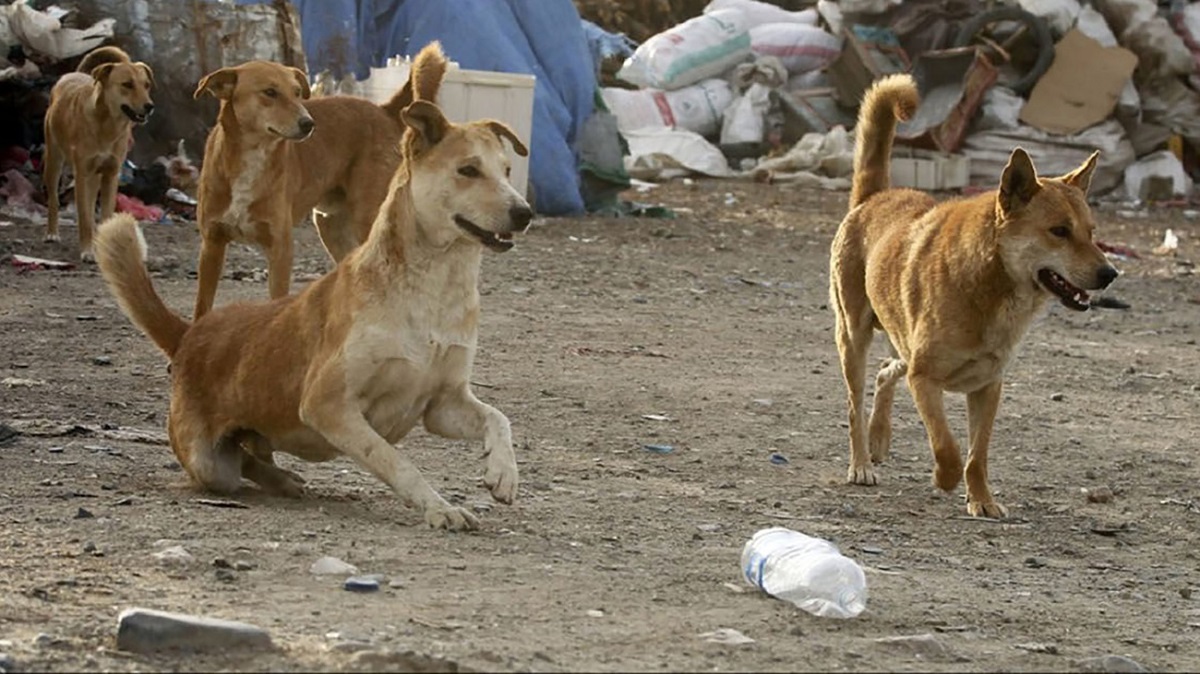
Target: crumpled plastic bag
[659,154]
[823,160]
[1052,155]
[44,33]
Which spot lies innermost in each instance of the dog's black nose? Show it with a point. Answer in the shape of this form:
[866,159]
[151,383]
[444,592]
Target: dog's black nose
[1106,275]
[147,109]
[306,124]
[520,216]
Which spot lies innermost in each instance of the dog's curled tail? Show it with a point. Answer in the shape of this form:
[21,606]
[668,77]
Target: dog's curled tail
[890,100]
[424,80]
[121,254]
[100,56]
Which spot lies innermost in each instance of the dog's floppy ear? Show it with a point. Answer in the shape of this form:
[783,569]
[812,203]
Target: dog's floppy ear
[503,130]
[219,83]
[146,69]
[1019,182]
[101,72]
[1082,176]
[302,80]
[427,120]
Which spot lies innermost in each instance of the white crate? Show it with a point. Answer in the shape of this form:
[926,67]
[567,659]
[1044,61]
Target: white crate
[469,95]
[927,170]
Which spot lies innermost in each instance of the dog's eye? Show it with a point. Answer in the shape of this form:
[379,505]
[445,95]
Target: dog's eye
[270,93]
[469,171]
[127,85]
[1061,232]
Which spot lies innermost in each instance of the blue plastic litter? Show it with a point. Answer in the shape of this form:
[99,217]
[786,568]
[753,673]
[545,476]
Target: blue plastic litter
[778,459]
[659,449]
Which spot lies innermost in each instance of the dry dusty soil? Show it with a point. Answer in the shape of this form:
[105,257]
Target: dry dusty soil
[714,325]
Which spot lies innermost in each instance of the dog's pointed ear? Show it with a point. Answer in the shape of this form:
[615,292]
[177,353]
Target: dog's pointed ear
[1019,182]
[101,72]
[427,120]
[302,80]
[1082,176]
[145,69]
[503,130]
[219,83]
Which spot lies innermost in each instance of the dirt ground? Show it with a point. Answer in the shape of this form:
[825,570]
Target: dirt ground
[615,557]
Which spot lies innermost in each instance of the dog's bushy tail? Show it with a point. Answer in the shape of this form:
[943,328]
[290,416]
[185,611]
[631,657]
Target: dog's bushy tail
[890,100]
[121,254]
[424,80]
[100,56]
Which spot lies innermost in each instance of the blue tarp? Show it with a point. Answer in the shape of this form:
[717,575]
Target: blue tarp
[544,38]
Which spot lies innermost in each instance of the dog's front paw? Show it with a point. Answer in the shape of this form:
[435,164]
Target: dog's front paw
[450,518]
[989,509]
[862,475]
[51,238]
[501,479]
[880,444]
[946,477]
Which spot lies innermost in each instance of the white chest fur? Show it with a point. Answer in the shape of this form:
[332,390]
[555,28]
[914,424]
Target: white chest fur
[244,191]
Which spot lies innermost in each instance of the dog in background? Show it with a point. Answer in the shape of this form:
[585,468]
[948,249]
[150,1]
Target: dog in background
[352,363]
[275,156]
[954,285]
[90,123]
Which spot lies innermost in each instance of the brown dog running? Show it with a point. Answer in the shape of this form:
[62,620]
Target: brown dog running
[259,180]
[89,123]
[954,285]
[359,357]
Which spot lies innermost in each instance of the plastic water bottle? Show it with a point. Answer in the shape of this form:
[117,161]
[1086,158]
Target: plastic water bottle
[809,572]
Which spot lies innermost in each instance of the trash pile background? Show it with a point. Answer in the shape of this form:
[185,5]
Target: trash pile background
[769,92]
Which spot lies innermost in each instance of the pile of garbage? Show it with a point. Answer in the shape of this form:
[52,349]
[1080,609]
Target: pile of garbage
[748,89]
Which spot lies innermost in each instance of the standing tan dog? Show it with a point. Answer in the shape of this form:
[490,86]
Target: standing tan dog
[259,180]
[954,285]
[353,362]
[89,123]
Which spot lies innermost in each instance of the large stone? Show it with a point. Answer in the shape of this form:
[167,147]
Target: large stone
[141,630]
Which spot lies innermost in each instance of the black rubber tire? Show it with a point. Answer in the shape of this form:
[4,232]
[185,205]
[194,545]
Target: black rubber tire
[1041,33]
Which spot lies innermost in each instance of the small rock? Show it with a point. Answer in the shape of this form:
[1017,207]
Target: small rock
[1036,647]
[226,575]
[102,360]
[1056,397]
[222,563]
[925,647]
[726,635]
[481,507]
[42,640]
[7,664]
[595,613]
[708,528]
[397,583]
[242,565]
[1185,592]
[350,646]
[870,550]
[458,566]
[83,514]
[176,555]
[361,584]
[89,547]
[1110,664]
[1101,494]
[332,566]
[1034,563]
[142,630]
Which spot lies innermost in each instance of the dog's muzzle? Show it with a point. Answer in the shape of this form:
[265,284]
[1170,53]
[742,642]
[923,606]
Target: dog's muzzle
[138,117]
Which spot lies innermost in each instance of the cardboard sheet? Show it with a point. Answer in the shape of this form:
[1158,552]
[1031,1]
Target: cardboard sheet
[1082,86]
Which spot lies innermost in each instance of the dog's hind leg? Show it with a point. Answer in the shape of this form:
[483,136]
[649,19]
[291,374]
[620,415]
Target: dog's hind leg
[880,432]
[52,163]
[854,334]
[981,415]
[947,456]
[215,466]
[460,415]
[258,466]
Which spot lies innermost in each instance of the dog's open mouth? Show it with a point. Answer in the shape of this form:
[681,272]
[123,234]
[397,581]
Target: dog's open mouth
[136,117]
[1070,296]
[497,241]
